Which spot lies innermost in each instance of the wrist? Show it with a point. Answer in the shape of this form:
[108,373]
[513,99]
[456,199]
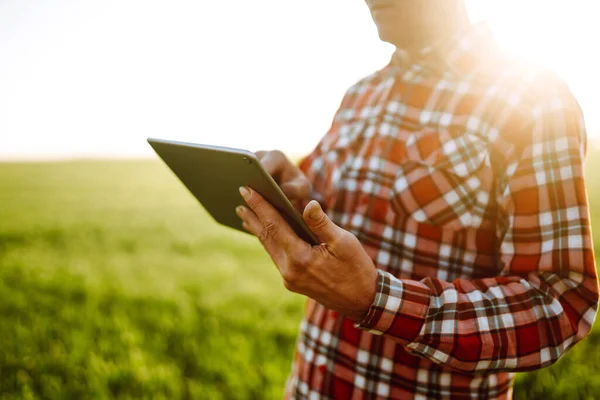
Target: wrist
[366,297]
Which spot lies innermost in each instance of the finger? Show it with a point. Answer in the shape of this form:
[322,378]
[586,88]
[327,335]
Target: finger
[297,188]
[292,181]
[297,205]
[251,224]
[272,161]
[318,222]
[273,222]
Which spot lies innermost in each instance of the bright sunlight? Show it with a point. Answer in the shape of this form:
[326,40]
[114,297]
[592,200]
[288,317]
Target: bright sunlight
[96,78]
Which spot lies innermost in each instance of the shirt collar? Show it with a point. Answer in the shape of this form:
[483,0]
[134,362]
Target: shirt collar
[463,52]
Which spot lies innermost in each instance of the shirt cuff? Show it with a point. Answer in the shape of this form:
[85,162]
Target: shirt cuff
[399,308]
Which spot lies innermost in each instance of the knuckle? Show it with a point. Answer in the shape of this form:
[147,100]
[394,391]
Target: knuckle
[291,277]
[301,260]
[254,202]
[274,161]
[291,273]
[263,235]
[271,226]
[289,285]
[277,154]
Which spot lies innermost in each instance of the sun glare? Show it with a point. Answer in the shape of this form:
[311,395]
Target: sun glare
[561,35]
[95,78]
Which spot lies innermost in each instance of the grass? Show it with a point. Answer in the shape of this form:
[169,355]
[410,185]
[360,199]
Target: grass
[114,283]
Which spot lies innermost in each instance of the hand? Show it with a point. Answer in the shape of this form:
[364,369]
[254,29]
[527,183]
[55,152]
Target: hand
[288,176]
[339,274]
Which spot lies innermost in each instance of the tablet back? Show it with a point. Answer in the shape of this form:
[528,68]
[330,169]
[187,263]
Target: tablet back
[214,174]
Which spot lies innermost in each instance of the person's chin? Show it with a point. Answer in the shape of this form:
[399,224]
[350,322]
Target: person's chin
[391,37]
[400,39]
[384,34]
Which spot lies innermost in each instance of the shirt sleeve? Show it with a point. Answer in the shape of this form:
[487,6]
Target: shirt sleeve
[545,298]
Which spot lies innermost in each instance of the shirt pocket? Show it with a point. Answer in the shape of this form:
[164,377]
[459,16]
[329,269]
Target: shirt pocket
[351,134]
[444,180]
[363,161]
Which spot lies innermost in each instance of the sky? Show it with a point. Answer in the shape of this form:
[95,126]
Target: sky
[96,78]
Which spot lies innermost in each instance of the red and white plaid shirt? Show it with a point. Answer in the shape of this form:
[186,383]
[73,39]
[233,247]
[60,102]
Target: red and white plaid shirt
[461,172]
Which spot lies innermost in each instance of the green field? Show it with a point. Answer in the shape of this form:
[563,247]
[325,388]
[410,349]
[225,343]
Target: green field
[115,283]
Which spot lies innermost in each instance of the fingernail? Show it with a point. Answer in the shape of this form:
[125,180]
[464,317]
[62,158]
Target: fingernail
[239,210]
[244,192]
[316,212]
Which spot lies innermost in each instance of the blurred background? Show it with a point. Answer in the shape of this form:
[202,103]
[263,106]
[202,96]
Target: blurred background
[113,280]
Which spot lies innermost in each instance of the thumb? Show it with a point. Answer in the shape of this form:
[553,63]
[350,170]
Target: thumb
[318,222]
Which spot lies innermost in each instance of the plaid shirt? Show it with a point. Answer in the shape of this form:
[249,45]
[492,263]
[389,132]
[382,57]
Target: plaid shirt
[461,173]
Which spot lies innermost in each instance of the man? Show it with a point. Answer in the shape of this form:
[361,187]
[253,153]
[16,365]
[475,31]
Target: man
[454,220]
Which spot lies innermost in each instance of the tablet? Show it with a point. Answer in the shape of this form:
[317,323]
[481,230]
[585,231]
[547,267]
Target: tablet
[214,174]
